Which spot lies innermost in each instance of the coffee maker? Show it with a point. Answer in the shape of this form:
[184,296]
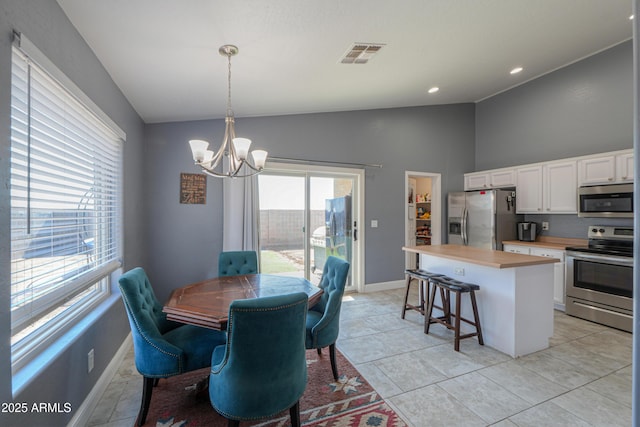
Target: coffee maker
[527,231]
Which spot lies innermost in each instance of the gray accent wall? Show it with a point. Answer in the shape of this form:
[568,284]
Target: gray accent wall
[64,378]
[584,108]
[185,239]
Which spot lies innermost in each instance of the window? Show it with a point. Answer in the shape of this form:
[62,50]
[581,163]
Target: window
[66,165]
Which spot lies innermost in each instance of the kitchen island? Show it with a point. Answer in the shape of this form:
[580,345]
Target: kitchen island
[515,299]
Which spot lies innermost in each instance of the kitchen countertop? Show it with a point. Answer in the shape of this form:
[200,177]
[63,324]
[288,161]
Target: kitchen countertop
[485,257]
[550,242]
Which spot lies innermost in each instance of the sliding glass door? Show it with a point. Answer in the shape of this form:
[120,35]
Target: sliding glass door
[307,215]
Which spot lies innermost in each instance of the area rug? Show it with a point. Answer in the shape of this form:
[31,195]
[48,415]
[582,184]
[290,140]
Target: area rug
[348,402]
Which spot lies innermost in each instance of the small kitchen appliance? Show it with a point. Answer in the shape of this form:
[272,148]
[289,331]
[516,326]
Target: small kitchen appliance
[527,231]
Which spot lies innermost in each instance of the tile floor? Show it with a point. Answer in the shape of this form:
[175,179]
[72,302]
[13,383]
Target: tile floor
[583,379]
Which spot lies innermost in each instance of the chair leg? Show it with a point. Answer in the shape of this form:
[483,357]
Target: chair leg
[406,296]
[456,345]
[319,351]
[294,412]
[332,357]
[476,317]
[147,389]
[233,423]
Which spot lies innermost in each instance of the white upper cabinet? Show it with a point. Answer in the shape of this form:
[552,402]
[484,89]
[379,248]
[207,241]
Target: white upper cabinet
[597,170]
[547,188]
[624,167]
[529,189]
[476,181]
[498,178]
[560,189]
[609,168]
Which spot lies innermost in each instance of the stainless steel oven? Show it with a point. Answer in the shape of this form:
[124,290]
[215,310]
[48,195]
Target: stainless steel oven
[599,278]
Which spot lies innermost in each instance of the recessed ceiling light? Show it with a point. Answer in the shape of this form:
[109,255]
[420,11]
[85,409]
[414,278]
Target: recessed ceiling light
[434,89]
[516,70]
[631,17]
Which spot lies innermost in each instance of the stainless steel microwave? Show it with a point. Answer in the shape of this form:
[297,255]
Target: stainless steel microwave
[606,201]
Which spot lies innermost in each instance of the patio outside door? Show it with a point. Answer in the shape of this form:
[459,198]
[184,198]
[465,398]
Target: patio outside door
[306,216]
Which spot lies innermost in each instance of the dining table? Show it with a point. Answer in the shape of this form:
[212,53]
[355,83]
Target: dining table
[206,303]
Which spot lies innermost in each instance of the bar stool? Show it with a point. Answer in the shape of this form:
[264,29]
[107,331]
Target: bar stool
[448,285]
[422,277]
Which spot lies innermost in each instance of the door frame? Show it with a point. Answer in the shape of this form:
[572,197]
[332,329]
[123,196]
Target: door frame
[436,205]
[357,265]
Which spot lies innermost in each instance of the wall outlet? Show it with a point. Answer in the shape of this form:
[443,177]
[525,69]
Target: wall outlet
[374,223]
[459,271]
[545,225]
[90,361]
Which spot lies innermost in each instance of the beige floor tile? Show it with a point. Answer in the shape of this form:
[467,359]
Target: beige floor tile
[411,370]
[487,399]
[556,370]
[549,415]
[598,410]
[432,406]
[616,386]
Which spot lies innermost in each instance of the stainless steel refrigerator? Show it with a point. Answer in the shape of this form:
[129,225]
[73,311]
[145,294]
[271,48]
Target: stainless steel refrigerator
[482,219]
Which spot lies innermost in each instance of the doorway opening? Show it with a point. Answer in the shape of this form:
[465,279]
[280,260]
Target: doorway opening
[308,213]
[423,212]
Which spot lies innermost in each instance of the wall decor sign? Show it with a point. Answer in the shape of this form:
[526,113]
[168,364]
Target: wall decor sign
[193,188]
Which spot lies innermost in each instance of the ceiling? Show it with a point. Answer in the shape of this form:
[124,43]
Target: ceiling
[163,54]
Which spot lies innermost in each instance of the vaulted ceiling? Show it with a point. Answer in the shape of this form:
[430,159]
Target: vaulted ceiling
[163,54]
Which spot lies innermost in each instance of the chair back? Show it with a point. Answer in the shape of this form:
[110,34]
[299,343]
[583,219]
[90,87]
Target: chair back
[148,324]
[233,263]
[333,282]
[262,369]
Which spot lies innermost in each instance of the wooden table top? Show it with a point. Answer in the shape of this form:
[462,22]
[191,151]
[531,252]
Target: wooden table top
[207,303]
[486,257]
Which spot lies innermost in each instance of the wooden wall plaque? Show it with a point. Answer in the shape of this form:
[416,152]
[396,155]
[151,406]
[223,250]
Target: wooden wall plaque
[193,188]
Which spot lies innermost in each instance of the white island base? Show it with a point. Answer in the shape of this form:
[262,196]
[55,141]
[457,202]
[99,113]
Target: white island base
[515,304]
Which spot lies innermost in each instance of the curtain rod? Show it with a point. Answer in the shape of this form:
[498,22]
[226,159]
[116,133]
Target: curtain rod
[320,162]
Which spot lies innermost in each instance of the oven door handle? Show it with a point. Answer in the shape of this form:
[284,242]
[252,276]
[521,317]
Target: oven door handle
[581,256]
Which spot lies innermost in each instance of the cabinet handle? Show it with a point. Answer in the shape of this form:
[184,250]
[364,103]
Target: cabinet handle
[624,177]
[610,179]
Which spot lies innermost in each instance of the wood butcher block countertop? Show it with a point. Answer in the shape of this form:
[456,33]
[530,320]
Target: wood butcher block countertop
[550,242]
[486,257]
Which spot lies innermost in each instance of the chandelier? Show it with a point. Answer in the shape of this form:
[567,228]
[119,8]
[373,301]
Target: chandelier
[236,149]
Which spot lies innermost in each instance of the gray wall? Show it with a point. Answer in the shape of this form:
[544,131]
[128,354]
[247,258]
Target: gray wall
[430,139]
[65,378]
[581,109]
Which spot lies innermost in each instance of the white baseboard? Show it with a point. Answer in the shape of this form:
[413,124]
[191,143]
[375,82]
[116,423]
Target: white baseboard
[82,415]
[384,286]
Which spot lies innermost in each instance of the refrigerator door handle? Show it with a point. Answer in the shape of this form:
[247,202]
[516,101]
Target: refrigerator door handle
[465,214]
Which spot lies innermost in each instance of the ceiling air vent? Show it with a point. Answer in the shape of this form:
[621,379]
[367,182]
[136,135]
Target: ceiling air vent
[361,53]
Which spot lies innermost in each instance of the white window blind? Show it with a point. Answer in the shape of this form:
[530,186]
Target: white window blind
[65,204]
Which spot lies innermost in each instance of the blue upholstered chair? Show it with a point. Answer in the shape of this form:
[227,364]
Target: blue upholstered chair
[233,263]
[262,369]
[162,348]
[323,319]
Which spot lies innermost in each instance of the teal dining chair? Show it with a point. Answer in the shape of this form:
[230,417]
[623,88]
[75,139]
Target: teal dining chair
[262,369]
[233,263]
[323,319]
[162,348]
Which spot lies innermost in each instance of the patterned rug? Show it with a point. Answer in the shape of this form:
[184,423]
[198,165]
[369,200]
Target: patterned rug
[348,402]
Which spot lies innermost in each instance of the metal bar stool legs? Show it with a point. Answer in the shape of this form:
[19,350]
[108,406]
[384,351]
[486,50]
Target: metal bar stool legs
[447,286]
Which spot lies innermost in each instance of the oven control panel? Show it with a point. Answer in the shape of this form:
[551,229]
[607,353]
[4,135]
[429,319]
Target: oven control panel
[610,232]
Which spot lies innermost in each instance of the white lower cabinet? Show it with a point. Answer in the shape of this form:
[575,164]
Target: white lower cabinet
[558,268]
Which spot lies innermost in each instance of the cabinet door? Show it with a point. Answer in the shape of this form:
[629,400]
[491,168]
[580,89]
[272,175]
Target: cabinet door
[529,189]
[624,167]
[476,181]
[516,249]
[560,188]
[597,170]
[503,178]
[558,272]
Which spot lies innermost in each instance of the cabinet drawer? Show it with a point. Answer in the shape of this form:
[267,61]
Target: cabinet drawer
[549,253]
